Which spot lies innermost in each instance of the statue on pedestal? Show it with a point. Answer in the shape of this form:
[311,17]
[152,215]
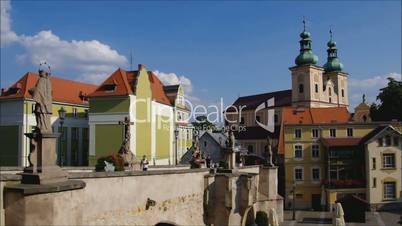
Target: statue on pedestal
[43,168]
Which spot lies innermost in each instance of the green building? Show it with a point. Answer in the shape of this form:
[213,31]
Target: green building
[155,112]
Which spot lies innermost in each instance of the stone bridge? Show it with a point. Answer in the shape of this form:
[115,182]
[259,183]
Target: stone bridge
[158,197]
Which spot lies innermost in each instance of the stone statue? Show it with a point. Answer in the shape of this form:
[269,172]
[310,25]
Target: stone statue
[364,98]
[269,151]
[230,142]
[125,153]
[42,95]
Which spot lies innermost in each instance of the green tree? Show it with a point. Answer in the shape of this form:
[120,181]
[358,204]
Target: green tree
[201,123]
[390,102]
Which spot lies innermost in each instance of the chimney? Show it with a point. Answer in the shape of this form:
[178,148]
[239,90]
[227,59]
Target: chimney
[141,66]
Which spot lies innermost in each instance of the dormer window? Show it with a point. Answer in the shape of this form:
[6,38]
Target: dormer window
[109,87]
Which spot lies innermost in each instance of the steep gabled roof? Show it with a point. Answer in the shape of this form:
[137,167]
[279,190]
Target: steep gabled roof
[123,83]
[307,116]
[282,98]
[63,90]
[375,132]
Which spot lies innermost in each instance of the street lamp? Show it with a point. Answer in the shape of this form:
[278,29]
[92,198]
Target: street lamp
[176,134]
[62,115]
[294,200]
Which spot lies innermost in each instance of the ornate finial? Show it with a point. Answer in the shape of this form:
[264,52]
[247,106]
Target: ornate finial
[44,64]
[364,98]
[304,23]
[330,33]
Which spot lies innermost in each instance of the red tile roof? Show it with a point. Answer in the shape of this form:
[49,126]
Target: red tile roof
[330,115]
[341,142]
[125,84]
[66,91]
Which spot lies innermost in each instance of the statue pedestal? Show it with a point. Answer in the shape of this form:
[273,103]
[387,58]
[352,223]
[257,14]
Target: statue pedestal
[43,168]
[230,158]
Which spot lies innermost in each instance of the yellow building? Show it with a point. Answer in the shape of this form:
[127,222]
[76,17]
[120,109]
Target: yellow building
[324,156]
[17,118]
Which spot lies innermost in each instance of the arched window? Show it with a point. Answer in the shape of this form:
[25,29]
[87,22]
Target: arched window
[301,88]
[329,91]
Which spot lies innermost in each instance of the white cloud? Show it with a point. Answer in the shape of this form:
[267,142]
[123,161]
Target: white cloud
[368,86]
[6,34]
[91,60]
[174,79]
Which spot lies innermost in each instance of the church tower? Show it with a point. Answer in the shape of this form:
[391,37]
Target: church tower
[335,80]
[307,77]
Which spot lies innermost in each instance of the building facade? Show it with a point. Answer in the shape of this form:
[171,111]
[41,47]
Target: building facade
[155,112]
[17,118]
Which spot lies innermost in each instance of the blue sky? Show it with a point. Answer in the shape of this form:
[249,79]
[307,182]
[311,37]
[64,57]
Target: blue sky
[219,49]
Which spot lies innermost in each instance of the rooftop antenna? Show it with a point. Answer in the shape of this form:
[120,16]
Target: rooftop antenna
[131,60]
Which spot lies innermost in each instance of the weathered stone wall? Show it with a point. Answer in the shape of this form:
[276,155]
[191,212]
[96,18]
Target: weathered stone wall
[117,199]
[180,197]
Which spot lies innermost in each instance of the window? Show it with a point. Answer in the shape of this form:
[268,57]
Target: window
[388,141]
[315,151]
[316,88]
[343,92]
[316,174]
[298,151]
[389,160]
[396,141]
[380,142]
[314,133]
[276,118]
[330,100]
[75,112]
[86,113]
[298,133]
[250,149]
[374,182]
[350,132]
[301,88]
[205,143]
[33,108]
[298,174]
[329,92]
[374,163]
[242,121]
[257,118]
[389,190]
[332,132]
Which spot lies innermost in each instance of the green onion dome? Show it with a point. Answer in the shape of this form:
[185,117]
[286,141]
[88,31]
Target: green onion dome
[306,55]
[333,63]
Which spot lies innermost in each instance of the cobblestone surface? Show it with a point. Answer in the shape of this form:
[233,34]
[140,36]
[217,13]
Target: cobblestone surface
[314,218]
